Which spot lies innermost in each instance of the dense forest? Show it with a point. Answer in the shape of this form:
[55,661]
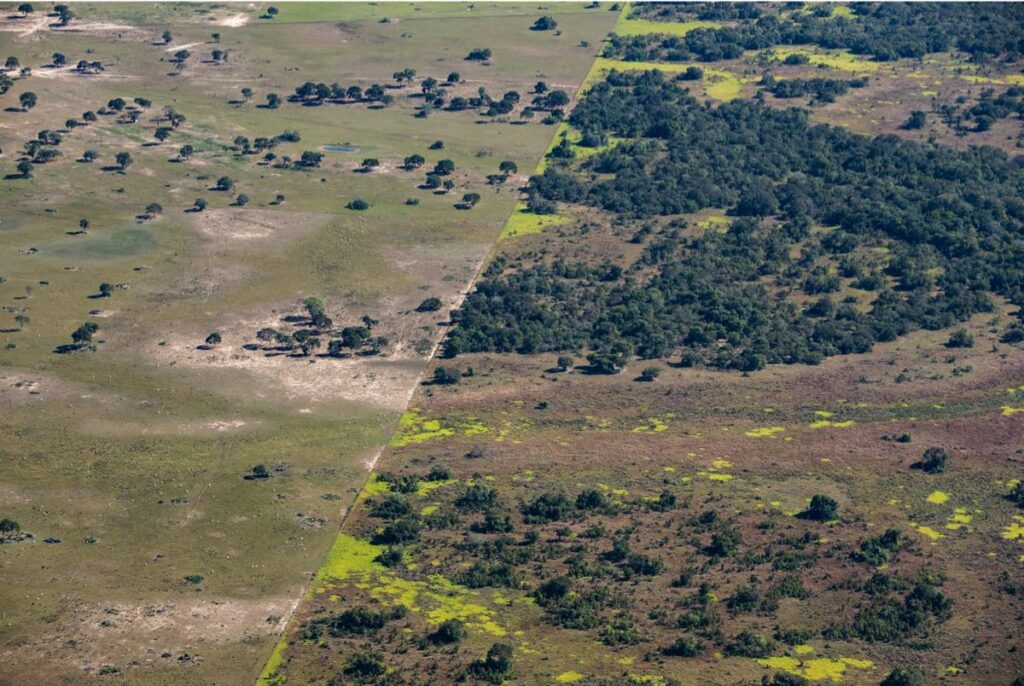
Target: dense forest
[892,236]
[886,31]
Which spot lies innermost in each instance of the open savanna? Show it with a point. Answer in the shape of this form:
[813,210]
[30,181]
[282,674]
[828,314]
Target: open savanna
[133,456]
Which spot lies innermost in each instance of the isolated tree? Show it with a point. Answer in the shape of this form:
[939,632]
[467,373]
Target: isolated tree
[479,55]
[544,23]
[371,163]
[933,461]
[199,205]
[58,59]
[446,376]
[454,77]
[279,199]
[153,209]
[28,100]
[273,101]
[564,363]
[272,11]
[162,133]
[124,160]
[25,9]
[90,155]
[25,169]
[444,167]
[213,339]
[12,63]
[82,336]
[215,37]
[22,320]
[470,199]
[225,183]
[960,339]
[821,509]
[106,290]
[650,373]
[414,162]
[181,56]
[83,225]
[247,93]
[185,151]
[429,305]
[358,204]
[508,167]
[168,37]
[242,200]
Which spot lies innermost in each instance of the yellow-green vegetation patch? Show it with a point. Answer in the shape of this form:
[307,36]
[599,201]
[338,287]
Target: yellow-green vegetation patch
[1009,410]
[931,533]
[765,431]
[823,423]
[651,424]
[938,497]
[349,555]
[522,222]
[836,59]
[270,676]
[569,677]
[413,428]
[715,219]
[958,519]
[817,669]
[352,559]
[1015,530]
[425,487]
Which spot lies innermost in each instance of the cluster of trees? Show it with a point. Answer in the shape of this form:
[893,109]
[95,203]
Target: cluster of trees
[976,117]
[317,330]
[311,93]
[885,31]
[821,91]
[950,220]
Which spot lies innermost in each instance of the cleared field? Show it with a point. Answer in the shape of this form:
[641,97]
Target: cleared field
[172,567]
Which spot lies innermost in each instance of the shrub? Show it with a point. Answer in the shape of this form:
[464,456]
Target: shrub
[724,543]
[686,646]
[496,666]
[446,376]
[429,305]
[547,507]
[933,461]
[392,506]
[401,531]
[448,632]
[749,644]
[358,204]
[365,666]
[821,509]
[960,339]
[903,677]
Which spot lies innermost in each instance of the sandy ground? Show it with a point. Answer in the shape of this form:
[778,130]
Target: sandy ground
[169,632]
[235,20]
